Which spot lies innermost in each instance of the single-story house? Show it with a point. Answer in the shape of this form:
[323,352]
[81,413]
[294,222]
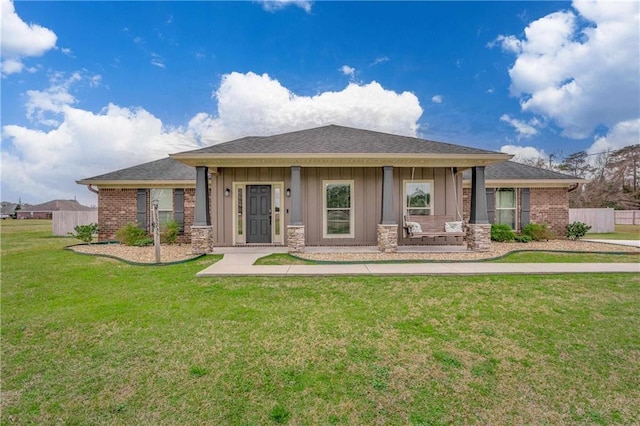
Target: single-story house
[45,210]
[328,186]
[519,194]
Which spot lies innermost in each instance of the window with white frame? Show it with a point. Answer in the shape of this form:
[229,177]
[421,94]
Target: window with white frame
[338,209]
[418,198]
[506,200]
[165,203]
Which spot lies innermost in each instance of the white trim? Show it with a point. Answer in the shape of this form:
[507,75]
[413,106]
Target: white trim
[241,240]
[351,184]
[432,197]
[515,207]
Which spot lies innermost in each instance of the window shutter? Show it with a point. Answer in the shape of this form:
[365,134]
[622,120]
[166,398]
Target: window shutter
[178,207]
[141,211]
[491,205]
[525,207]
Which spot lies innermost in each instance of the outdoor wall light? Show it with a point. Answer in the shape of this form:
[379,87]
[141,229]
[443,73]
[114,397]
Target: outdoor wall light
[288,192]
[227,192]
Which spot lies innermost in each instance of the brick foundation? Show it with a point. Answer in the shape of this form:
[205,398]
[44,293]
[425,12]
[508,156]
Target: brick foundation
[479,236]
[387,238]
[201,239]
[296,238]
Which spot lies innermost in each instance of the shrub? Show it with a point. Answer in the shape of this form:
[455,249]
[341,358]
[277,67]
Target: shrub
[502,233]
[131,235]
[538,232]
[169,232]
[85,233]
[577,230]
[523,239]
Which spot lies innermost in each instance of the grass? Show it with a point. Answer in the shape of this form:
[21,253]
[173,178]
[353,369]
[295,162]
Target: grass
[622,232]
[560,257]
[534,256]
[89,340]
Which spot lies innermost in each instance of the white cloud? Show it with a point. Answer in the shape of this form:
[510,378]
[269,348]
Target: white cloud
[524,130]
[251,104]
[379,60]
[437,99]
[20,40]
[40,165]
[157,60]
[579,76]
[274,5]
[347,70]
[525,154]
[623,134]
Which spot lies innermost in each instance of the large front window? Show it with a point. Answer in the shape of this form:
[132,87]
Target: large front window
[506,207]
[418,198]
[165,203]
[338,209]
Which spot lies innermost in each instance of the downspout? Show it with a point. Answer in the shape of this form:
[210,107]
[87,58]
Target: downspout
[574,188]
[92,189]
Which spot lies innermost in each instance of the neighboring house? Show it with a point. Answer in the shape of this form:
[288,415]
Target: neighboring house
[327,186]
[519,194]
[9,210]
[45,210]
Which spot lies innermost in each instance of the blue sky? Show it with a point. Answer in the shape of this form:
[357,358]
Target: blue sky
[90,87]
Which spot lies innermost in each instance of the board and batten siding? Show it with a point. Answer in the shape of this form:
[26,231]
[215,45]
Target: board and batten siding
[367,203]
[367,198]
[222,207]
[447,194]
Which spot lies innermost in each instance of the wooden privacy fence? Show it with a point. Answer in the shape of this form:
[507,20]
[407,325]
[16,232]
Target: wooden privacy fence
[65,221]
[600,220]
[627,217]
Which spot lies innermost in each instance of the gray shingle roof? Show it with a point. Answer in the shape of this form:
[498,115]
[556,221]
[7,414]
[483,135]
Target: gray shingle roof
[57,205]
[164,169]
[334,139]
[510,170]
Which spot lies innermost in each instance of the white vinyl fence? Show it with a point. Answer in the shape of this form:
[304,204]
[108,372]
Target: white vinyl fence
[65,221]
[600,220]
[627,217]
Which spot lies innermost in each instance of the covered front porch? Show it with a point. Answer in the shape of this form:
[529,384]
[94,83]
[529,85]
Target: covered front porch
[291,216]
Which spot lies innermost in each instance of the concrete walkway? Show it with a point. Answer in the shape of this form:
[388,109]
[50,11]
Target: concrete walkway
[630,243]
[239,262]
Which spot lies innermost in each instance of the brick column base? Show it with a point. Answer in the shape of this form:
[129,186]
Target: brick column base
[479,236]
[388,238]
[295,238]
[201,239]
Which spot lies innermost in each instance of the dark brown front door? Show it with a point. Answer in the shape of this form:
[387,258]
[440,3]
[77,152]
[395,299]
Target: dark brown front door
[259,214]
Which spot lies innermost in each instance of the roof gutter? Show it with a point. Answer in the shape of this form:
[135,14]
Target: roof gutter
[574,187]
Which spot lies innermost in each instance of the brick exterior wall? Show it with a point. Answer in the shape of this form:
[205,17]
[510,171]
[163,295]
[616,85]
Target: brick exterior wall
[548,205]
[118,206]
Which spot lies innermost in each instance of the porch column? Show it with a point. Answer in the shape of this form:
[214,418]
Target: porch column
[202,231]
[295,230]
[387,234]
[479,228]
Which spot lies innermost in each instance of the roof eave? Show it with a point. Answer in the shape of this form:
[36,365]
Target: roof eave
[527,183]
[340,159]
[138,183]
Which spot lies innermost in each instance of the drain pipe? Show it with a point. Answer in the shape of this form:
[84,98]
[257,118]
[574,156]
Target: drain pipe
[574,188]
[92,189]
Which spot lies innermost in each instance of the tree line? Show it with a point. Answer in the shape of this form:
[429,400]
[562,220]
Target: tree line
[614,178]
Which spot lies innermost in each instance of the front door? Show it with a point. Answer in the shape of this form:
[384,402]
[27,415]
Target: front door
[259,214]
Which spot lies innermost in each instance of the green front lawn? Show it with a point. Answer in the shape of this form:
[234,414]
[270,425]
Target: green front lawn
[90,340]
[622,232]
